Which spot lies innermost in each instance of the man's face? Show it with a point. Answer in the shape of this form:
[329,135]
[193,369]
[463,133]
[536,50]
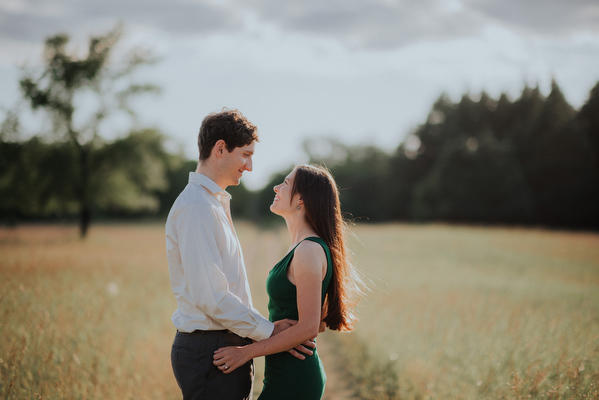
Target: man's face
[236,163]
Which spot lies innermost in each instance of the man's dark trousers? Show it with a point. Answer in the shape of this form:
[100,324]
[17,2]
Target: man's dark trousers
[197,376]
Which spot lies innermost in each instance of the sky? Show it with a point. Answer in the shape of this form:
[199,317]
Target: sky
[360,71]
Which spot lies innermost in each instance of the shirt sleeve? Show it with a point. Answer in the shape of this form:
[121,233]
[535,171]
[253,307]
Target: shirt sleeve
[205,278]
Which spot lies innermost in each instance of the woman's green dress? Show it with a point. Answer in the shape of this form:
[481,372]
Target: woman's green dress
[286,377]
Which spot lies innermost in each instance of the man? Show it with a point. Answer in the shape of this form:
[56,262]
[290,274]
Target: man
[207,272]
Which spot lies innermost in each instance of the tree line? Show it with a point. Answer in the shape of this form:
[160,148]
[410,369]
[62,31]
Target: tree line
[531,161]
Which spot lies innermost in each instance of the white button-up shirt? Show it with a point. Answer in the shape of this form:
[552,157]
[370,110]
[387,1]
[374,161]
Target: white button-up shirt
[206,268]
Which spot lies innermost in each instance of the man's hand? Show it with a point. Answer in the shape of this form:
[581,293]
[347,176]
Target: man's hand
[303,349]
[281,325]
[300,351]
[322,327]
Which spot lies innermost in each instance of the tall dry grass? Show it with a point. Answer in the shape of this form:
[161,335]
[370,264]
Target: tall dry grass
[85,320]
[454,312]
[477,313]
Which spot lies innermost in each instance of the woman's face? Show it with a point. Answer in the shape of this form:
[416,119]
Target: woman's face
[282,202]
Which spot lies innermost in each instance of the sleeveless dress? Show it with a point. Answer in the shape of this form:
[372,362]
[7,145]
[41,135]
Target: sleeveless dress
[286,377]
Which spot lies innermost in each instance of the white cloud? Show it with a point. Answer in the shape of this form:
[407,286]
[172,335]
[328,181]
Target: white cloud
[542,17]
[387,24]
[360,24]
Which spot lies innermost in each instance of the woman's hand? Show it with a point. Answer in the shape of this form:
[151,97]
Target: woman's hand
[228,359]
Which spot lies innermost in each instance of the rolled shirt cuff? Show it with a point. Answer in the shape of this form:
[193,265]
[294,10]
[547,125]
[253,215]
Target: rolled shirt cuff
[263,330]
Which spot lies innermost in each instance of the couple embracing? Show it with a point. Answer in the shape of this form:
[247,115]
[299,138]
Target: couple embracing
[312,288]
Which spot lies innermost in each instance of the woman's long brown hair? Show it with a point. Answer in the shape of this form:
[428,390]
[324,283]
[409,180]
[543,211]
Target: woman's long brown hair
[320,195]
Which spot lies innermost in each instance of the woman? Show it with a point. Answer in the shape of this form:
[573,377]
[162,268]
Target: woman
[314,282]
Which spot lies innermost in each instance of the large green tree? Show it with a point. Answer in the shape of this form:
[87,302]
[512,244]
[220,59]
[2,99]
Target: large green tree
[80,93]
[588,118]
[556,159]
[474,180]
[588,123]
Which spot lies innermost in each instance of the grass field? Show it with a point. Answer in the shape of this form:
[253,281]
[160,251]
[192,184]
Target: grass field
[465,313]
[453,312]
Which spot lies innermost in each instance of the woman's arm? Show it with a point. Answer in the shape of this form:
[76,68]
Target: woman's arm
[306,271]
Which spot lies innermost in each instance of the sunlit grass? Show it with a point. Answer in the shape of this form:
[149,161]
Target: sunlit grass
[469,313]
[85,319]
[454,312]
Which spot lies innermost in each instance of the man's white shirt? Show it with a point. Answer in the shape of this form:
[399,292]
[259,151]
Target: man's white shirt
[206,267]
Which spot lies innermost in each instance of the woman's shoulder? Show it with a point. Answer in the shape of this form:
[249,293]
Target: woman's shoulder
[311,248]
[310,258]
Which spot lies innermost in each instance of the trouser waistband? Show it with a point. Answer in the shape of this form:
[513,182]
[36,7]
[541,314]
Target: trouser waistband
[211,332]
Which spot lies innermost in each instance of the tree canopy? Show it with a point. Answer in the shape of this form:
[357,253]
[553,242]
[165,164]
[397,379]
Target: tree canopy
[534,160]
[74,166]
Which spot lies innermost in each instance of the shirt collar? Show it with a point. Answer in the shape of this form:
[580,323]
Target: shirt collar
[196,177]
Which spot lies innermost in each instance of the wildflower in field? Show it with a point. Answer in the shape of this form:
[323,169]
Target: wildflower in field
[112,289]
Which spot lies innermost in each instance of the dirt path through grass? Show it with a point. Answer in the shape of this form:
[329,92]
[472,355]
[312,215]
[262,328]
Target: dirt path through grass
[338,381]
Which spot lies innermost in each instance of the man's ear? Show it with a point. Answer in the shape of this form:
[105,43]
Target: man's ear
[219,148]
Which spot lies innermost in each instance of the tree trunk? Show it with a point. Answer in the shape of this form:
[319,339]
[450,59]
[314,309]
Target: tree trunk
[85,212]
[84,220]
